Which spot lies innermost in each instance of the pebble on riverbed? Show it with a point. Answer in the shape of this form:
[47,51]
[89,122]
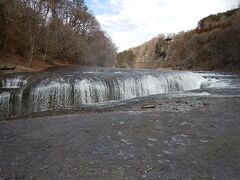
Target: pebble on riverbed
[148,106]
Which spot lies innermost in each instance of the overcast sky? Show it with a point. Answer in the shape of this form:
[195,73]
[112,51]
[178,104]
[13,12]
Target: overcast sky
[132,22]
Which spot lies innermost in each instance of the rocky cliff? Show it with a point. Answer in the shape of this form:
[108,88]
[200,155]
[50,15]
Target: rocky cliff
[148,55]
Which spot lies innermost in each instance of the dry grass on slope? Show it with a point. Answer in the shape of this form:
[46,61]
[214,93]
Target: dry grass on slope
[218,48]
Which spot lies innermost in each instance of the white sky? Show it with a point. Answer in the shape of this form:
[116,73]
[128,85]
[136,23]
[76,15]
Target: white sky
[132,22]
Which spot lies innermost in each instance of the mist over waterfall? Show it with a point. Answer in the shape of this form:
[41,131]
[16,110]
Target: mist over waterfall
[28,93]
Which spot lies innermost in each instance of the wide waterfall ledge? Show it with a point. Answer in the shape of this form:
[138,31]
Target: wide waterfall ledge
[71,88]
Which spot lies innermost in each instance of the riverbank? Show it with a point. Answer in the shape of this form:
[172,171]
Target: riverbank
[15,63]
[188,137]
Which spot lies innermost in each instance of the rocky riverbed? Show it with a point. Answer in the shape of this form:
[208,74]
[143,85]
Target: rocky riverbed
[184,137]
[119,124]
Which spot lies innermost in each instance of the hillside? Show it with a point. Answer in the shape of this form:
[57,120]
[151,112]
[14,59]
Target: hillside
[213,45]
[37,34]
[148,55]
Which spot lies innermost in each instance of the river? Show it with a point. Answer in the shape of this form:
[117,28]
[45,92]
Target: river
[73,87]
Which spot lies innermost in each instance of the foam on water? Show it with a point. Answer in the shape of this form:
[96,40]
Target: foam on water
[215,83]
[220,80]
[209,74]
[13,82]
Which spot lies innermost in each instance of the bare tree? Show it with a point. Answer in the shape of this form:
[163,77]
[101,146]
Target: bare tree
[57,29]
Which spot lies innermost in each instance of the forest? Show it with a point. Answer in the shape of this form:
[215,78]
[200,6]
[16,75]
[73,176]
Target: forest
[213,45]
[54,30]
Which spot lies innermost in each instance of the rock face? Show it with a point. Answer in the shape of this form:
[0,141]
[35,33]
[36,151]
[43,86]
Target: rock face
[152,53]
[214,44]
[148,55]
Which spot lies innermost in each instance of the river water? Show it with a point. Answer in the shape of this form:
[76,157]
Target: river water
[25,93]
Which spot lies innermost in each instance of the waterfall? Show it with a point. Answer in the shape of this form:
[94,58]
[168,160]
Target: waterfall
[61,93]
[50,96]
[4,104]
[28,93]
[90,91]
[13,82]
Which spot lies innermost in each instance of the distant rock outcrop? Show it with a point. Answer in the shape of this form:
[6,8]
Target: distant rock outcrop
[148,55]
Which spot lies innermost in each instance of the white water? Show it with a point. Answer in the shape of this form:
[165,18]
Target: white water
[61,93]
[4,104]
[73,89]
[14,82]
[219,81]
[50,96]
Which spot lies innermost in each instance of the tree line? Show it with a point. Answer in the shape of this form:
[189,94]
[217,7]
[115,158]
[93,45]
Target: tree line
[54,29]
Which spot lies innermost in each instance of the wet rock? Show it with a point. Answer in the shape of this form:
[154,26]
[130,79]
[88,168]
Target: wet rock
[206,104]
[7,178]
[184,140]
[148,106]
[5,67]
[19,177]
[27,162]
[178,102]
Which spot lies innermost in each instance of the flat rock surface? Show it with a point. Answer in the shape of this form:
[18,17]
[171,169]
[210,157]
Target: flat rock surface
[183,138]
